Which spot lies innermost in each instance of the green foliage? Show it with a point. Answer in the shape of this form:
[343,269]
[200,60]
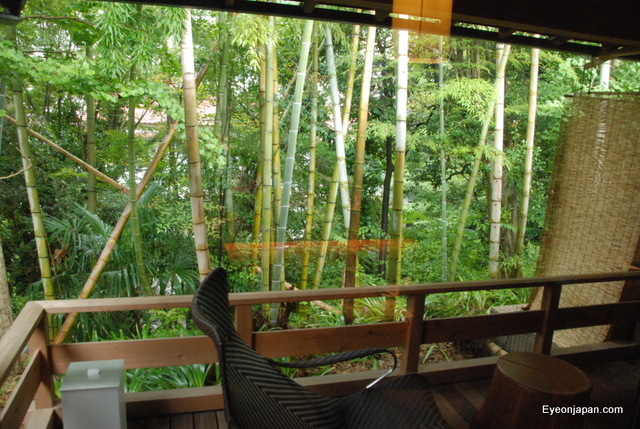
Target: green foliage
[51,60]
[130,35]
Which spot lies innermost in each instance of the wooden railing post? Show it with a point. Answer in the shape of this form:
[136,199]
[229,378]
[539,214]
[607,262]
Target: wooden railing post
[550,301]
[414,315]
[243,320]
[39,341]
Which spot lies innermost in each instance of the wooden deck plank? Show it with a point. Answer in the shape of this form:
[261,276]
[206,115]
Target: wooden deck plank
[462,406]
[600,398]
[182,421]
[470,393]
[614,385]
[222,421]
[205,420]
[449,412]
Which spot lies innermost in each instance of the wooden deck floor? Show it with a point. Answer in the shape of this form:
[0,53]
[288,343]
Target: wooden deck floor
[204,420]
[615,384]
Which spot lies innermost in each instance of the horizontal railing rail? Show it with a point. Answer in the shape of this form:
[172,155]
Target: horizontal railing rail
[30,327]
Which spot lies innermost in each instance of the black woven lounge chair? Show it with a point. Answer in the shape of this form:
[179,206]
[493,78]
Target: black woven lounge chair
[258,396]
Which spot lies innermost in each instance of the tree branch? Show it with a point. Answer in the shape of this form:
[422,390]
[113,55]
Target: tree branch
[53,18]
[21,170]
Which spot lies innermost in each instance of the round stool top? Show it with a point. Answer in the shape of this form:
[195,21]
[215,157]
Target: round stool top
[544,373]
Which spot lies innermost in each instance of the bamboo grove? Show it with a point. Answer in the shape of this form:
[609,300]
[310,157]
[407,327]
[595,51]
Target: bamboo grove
[154,143]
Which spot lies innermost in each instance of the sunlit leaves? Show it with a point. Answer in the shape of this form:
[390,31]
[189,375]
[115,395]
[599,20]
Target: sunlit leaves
[131,35]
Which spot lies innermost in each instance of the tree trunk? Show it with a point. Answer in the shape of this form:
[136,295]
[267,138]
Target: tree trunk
[496,173]
[6,314]
[193,150]
[134,221]
[358,175]
[221,133]
[42,246]
[304,278]
[337,128]
[443,166]
[528,161]
[3,102]
[395,253]
[386,197]
[92,200]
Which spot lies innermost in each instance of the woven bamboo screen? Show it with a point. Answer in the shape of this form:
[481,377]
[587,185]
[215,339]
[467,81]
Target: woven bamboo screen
[593,214]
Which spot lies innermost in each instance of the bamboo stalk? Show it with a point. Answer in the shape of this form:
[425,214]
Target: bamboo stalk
[474,171]
[326,230]
[193,150]
[257,208]
[276,170]
[351,78]
[496,171]
[358,174]
[528,161]
[308,229]
[267,178]
[395,251]
[278,265]
[337,128]
[42,246]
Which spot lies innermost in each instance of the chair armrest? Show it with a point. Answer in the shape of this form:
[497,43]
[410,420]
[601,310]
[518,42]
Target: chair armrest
[341,357]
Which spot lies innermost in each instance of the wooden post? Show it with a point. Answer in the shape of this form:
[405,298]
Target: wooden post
[39,341]
[243,324]
[625,330]
[414,315]
[550,300]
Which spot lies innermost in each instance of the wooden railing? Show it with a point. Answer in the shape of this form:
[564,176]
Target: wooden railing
[36,383]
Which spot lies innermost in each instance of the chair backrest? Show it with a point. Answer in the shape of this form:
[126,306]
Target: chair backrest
[256,394]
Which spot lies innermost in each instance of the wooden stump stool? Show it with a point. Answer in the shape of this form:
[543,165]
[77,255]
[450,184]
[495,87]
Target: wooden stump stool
[527,387]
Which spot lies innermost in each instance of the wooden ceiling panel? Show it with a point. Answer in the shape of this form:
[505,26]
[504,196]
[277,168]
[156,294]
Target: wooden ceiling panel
[591,27]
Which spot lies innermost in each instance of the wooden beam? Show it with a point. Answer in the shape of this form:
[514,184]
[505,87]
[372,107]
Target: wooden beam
[309,5]
[39,343]
[603,314]
[174,401]
[150,353]
[299,342]
[601,352]
[483,326]
[44,418]
[251,298]
[19,402]
[15,338]
[577,20]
